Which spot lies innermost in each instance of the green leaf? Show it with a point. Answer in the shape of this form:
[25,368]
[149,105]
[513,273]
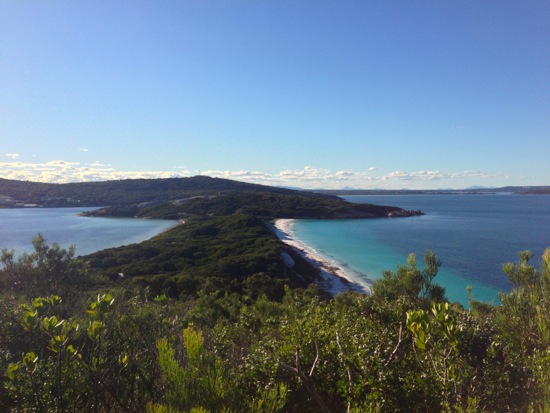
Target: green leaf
[420,344]
[12,371]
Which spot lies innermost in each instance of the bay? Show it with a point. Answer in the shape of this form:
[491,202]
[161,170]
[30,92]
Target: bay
[18,226]
[473,235]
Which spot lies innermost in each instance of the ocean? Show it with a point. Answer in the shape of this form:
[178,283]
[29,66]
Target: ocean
[19,226]
[473,235]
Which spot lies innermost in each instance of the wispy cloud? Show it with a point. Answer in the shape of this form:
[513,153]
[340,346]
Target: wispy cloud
[309,177]
[13,155]
[59,171]
[439,175]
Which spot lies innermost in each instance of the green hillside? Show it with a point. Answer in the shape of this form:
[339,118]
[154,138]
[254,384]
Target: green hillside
[128,191]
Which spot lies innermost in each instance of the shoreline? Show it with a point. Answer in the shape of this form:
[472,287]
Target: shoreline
[177,224]
[335,278]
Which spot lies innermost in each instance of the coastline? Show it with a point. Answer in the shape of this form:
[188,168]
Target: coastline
[335,278]
[177,224]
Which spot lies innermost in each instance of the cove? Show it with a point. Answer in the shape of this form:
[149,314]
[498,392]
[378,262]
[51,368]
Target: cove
[18,226]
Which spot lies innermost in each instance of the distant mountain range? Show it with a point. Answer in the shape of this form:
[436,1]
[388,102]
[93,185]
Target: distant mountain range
[470,190]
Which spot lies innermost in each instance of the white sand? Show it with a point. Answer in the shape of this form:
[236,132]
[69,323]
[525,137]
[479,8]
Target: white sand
[336,279]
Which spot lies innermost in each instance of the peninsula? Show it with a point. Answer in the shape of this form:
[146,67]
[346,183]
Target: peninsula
[228,229]
[226,311]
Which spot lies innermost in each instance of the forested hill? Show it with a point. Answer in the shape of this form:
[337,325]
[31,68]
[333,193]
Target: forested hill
[265,205]
[127,191]
[177,198]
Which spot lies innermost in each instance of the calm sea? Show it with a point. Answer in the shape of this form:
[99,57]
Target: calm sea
[473,235]
[62,225]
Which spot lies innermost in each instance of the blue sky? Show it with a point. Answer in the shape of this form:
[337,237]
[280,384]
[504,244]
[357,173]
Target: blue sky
[311,94]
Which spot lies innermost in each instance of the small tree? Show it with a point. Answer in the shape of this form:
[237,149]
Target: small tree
[47,270]
[202,382]
[411,282]
[524,322]
[436,334]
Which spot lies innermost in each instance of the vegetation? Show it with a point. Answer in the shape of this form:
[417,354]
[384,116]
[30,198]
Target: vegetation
[218,315]
[178,198]
[71,340]
[265,205]
[129,191]
[231,252]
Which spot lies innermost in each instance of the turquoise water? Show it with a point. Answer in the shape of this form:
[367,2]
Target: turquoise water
[473,235]
[18,226]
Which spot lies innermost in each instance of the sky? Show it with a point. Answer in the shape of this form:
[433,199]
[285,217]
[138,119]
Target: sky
[300,93]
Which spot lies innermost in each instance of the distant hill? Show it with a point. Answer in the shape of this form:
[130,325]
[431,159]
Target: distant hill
[177,198]
[528,189]
[265,205]
[135,191]
[123,192]
[470,190]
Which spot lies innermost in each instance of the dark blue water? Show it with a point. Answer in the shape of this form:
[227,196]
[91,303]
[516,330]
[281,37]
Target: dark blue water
[62,225]
[473,235]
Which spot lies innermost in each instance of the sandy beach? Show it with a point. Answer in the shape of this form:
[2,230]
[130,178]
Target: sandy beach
[335,279]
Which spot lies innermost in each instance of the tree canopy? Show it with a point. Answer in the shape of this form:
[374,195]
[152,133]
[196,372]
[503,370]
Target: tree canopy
[99,345]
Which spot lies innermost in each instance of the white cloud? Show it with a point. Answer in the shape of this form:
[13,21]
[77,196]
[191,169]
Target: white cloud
[346,174]
[314,178]
[419,175]
[62,163]
[59,171]
[310,177]
[13,155]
